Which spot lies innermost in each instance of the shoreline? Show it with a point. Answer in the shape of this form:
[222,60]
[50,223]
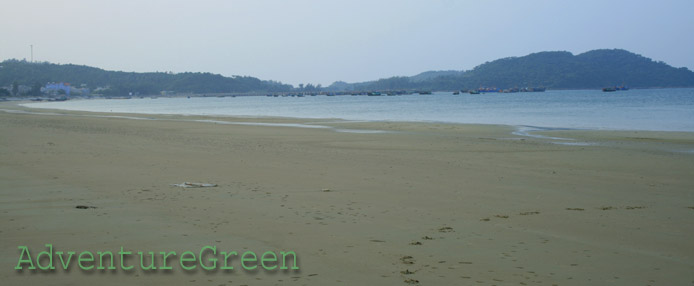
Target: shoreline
[681,142]
[678,141]
[521,130]
[562,109]
[444,204]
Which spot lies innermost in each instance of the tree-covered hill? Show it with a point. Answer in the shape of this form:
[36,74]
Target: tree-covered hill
[555,70]
[29,74]
[558,70]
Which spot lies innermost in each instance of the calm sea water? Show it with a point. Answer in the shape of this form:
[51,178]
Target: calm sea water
[652,109]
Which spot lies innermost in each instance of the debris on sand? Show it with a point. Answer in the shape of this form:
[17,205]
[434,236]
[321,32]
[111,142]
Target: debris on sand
[407,259]
[84,207]
[194,185]
[529,213]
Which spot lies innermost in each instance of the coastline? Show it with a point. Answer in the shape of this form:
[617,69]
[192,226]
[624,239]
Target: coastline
[519,209]
[555,135]
[657,110]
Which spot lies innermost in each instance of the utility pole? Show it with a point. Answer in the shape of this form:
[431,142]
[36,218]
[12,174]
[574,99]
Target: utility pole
[32,53]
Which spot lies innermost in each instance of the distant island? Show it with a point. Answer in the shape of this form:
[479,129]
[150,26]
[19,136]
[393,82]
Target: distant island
[553,70]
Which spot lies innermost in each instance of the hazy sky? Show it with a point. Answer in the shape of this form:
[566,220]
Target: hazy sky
[324,41]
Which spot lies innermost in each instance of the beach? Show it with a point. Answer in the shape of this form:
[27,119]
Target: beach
[361,203]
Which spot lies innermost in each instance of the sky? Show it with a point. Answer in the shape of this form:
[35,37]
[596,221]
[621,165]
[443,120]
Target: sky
[323,41]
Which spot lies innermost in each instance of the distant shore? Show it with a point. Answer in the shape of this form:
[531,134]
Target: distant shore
[269,93]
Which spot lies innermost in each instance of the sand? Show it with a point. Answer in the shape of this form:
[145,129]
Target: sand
[418,204]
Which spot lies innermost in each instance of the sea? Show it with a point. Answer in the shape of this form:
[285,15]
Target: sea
[636,109]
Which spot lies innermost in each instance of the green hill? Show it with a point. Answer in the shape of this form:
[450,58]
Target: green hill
[29,74]
[554,70]
[557,70]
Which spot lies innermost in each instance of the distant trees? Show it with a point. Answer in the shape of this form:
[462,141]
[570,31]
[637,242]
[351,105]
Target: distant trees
[15,88]
[5,92]
[36,89]
[309,87]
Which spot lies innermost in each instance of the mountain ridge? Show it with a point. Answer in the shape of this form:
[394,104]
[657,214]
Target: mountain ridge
[551,69]
[119,82]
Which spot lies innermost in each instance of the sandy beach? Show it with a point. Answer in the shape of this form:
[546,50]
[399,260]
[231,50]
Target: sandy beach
[390,203]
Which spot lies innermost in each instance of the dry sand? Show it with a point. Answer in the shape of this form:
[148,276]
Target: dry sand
[487,206]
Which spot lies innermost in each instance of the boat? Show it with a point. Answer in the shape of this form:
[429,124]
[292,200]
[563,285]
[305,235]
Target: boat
[511,90]
[488,89]
[533,89]
[615,88]
[456,92]
[474,91]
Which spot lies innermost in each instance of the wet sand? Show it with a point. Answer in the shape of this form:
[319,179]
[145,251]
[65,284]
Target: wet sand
[419,204]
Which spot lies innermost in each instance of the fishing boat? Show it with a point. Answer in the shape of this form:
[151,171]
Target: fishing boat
[533,89]
[488,89]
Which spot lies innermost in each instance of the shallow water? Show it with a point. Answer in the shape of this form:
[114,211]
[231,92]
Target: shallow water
[651,109]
